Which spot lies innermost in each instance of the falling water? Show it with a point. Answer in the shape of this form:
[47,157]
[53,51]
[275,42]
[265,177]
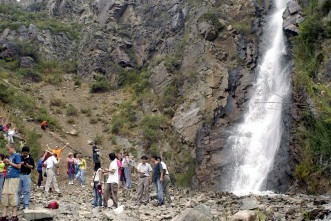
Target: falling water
[256,140]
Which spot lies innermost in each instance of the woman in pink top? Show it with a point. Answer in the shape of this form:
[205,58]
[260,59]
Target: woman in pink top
[71,168]
[120,169]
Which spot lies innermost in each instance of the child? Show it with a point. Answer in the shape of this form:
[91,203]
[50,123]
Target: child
[97,180]
[81,170]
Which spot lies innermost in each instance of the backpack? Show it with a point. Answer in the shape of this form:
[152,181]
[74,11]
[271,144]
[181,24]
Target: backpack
[53,205]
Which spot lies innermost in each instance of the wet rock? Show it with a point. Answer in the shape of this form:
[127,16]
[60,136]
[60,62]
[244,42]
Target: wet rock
[38,214]
[249,203]
[292,17]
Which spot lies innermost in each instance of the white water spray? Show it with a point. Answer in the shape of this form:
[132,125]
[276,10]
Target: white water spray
[256,140]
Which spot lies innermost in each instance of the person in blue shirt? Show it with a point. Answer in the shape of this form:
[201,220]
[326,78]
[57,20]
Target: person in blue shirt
[10,188]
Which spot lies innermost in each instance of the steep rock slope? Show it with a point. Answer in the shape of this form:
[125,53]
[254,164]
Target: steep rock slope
[192,60]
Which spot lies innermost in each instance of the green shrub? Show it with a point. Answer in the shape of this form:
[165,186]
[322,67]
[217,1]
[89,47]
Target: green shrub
[152,127]
[212,18]
[57,102]
[71,110]
[169,96]
[6,95]
[98,140]
[93,121]
[30,74]
[101,85]
[71,121]
[85,110]
[172,63]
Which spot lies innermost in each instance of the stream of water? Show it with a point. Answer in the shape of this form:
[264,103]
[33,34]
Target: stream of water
[255,141]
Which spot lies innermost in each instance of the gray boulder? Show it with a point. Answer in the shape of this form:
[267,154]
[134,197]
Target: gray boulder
[27,62]
[207,31]
[198,213]
[244,215]
[38,214]
[292,17]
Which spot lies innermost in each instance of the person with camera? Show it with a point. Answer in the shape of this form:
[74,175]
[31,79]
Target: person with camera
[24,187]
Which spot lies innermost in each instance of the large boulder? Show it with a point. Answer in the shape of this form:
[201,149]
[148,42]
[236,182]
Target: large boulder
[27,62]
[198,213]
[38,214]
[244,215]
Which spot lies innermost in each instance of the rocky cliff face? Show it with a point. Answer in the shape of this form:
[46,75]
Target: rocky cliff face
[202,53]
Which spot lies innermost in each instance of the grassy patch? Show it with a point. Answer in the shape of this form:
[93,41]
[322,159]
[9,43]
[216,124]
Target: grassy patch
[152,126]
[71,110]
[101,85]
[14,17]
[314,132]
[124,119]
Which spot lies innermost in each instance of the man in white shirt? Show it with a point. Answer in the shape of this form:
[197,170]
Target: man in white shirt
[112,182]
[166,180]
[50,164]
[144,170]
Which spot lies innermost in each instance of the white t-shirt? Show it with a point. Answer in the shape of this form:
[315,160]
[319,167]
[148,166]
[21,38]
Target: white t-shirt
[97,177]
[164,166]
[51,162]
[146,168]
[113,177]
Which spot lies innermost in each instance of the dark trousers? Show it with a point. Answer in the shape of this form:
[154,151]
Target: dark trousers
[40,177]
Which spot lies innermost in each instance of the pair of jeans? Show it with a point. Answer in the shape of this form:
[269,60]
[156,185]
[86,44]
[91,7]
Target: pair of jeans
[71,171]
[159,190]
[127,175]
[81,177]
[97,196]
[40,177]
[2,180]
[24,189]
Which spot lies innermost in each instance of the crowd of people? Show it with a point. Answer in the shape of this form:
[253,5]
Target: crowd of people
[107,181]
[16,168]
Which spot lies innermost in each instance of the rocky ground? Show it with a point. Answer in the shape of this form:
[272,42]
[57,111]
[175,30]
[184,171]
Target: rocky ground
[75,204]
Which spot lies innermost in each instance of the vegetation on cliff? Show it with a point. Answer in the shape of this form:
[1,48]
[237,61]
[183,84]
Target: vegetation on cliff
[311,54]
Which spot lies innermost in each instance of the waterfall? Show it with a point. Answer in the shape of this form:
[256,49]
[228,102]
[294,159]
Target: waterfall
[255,141]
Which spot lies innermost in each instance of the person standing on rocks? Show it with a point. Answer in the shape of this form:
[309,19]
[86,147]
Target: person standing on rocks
[96,156]
[2,173]
[144,170]
[50,164]
[10,188]
[81,170]
[126,164]
[24,187]
[97,187]
[58,151]
[111,186]
[166,180]
[121,177]
[158,179]
[40,166]
[71,162]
